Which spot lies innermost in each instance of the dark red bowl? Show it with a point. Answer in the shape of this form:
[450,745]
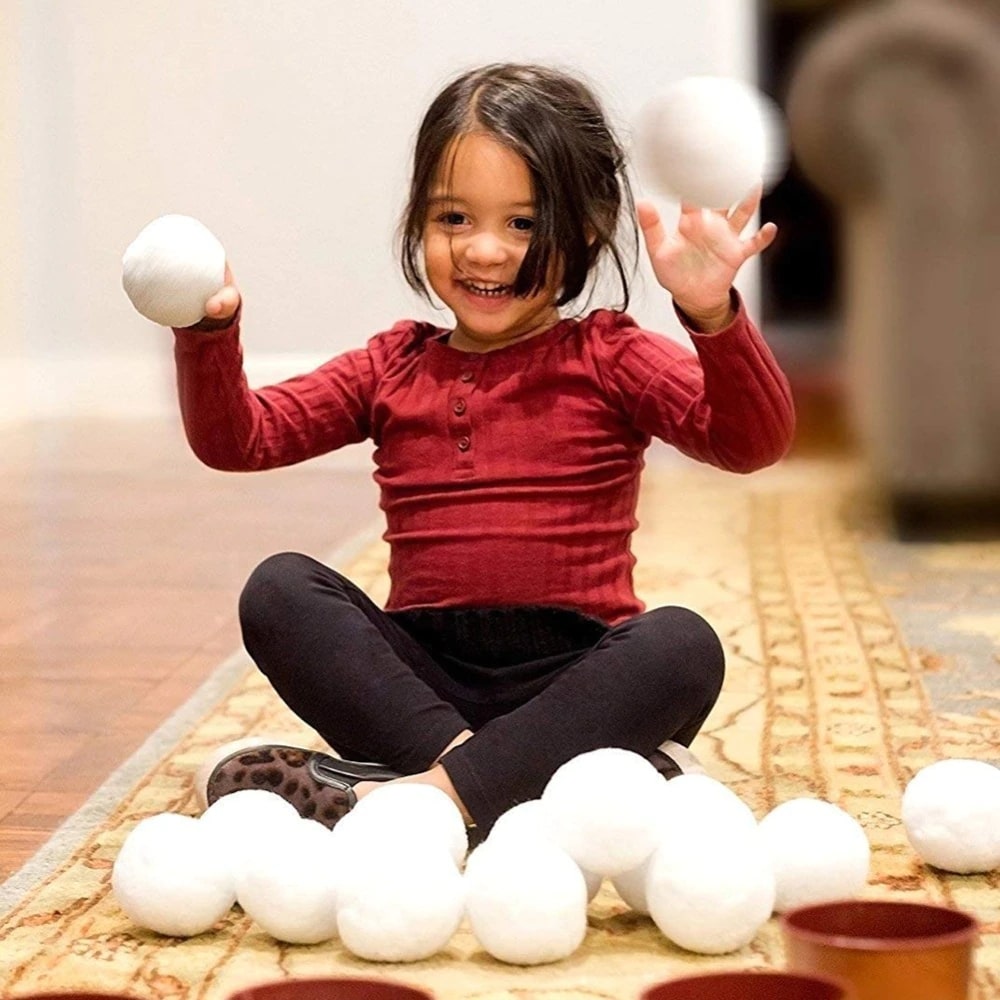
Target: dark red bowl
[749,984]
[345,988]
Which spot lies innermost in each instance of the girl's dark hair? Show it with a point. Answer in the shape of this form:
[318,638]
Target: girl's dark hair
[557,126]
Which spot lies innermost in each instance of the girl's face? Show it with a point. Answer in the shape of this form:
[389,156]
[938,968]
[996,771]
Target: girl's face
[479,221]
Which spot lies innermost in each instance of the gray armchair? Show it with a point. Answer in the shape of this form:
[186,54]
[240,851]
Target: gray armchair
[894,112]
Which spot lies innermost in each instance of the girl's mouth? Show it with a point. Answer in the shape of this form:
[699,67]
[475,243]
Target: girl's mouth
[486,289]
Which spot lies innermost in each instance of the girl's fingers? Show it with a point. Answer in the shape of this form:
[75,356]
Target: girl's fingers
[761,240]
[745,210]
[223,303]
[651,225]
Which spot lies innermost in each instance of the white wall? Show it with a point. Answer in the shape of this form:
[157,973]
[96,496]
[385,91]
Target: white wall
[286,127]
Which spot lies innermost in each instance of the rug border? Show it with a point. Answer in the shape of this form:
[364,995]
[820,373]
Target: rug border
[106,798]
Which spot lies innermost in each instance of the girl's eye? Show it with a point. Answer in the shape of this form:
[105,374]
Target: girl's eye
[523,225]
[451,218]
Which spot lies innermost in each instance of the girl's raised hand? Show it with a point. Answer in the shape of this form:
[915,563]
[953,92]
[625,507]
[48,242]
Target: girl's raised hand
[224,303]
[698,263]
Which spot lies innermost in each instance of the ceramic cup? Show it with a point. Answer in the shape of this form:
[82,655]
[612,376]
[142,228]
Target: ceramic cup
[346,988]
[906,951]
[749,985]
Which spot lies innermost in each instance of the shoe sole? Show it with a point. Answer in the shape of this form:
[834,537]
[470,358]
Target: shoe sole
[287,772]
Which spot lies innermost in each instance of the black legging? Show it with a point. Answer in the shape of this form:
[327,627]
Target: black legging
[552,683]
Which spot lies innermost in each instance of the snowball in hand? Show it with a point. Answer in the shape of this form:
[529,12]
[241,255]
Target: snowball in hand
[819,853]
[951,812]
[605,808]
[172,268]
[171,876]
[710,140]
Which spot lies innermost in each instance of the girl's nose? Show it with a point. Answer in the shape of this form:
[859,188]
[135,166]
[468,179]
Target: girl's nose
[485,248]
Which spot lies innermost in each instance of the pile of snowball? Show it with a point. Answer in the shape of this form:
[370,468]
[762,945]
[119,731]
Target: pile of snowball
[392,881]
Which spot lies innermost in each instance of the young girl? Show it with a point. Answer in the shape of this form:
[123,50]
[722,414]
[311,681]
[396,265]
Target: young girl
[508,449]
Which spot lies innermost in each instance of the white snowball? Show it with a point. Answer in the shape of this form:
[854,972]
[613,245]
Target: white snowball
[211,760]
[291,889]
[171,876]
[526,901]
[709,140]
[819,853]
[713,897]
[631,885]
[605,808]
[172,268]
[697,809]
[409,811]
[248,823]
[951,811]
[529,821]
[401,906]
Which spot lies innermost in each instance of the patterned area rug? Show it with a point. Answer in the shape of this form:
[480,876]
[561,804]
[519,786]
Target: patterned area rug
[852,664]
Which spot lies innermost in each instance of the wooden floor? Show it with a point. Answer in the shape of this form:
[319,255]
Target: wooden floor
[121,563]
[120,566]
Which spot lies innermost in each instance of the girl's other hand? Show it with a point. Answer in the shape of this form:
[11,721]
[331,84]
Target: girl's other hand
[698,263]
[224,303]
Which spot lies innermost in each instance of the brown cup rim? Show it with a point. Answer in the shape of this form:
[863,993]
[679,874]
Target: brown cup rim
[254,991]
[858,942]
[818,978]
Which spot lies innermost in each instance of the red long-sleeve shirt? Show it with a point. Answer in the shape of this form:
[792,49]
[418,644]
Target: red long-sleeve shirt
[508,477]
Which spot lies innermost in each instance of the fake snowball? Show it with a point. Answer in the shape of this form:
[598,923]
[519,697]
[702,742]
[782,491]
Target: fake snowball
[526,901]
[172,268]
[291,889]
[408,811]
[604,808]
[711,900]
[248,823]
[213,759]
[171,876]
[818,851]
[709,140]
[697,809]
[951,812]
[401,906]
[529,821]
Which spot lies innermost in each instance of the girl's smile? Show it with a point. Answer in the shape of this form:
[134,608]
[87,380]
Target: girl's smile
[478,229]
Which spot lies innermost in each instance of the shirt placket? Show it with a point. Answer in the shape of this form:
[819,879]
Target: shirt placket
[460,417]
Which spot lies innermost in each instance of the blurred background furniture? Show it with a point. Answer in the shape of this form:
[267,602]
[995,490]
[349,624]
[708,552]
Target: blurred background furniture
[894,114]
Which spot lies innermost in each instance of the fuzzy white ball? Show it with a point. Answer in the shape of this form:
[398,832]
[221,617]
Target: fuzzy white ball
[528,821]
[819,852]
[605,808]
[291,889]
[248,823]
[409,811]
[171,876]
[172,268]
[526,901]
[697,808]
[713,897]
[951,812]
[401,906]
[709,140]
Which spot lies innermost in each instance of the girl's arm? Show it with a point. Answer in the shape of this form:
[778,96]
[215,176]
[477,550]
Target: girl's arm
[233,428]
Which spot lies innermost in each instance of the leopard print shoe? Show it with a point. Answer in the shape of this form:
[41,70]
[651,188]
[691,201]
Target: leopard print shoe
[318,785]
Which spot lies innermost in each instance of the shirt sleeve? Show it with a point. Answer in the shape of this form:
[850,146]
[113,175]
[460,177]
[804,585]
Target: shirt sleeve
[238,429]
[726,403]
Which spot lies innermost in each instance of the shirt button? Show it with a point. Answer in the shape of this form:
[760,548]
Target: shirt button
[459,407]
[464,444]
[467,376]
